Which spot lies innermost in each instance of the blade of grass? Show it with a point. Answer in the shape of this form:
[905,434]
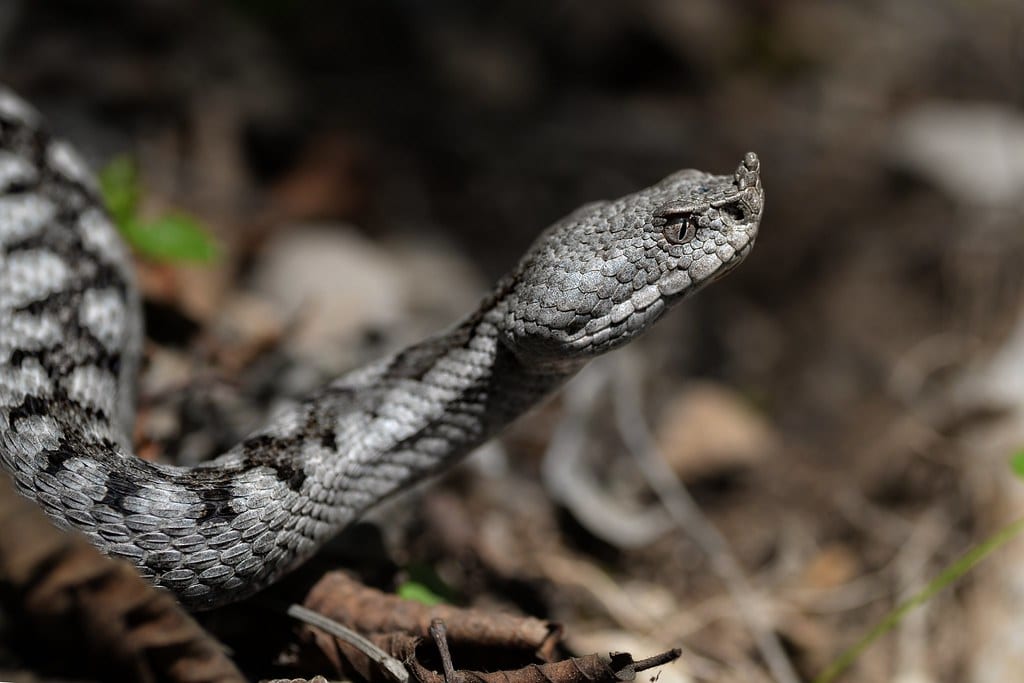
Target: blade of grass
[952,573]
[1017,463]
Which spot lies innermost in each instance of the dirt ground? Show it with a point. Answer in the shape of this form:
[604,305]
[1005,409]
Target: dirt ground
[840,412]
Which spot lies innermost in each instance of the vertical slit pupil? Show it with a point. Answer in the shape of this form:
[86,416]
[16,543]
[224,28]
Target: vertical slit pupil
[681,229]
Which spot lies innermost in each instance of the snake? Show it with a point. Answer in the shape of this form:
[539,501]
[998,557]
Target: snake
[71,337]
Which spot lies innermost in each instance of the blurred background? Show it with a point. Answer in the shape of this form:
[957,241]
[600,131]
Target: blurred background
[843,408]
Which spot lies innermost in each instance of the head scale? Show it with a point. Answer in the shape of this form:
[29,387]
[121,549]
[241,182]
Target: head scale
[604,274]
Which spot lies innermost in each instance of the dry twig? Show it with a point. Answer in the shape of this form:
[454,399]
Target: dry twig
[390,666]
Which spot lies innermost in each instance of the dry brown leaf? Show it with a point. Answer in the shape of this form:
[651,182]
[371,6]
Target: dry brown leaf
[367,610]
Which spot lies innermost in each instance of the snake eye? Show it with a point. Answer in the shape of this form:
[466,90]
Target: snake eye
[680,229]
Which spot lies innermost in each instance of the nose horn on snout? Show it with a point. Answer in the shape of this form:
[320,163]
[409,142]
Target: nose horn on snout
[748,172]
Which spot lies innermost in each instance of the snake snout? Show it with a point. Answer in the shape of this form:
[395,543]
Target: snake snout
[748,172]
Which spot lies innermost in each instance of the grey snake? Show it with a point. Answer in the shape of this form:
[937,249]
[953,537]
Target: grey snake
[71,339]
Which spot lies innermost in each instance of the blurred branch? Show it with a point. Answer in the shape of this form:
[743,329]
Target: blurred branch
[569,478]
[632,424]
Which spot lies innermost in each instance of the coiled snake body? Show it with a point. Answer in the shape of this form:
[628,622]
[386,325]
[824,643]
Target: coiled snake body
[70,339]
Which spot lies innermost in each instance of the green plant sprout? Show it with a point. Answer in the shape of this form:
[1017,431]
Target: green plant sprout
[425,586]
[413,590]
[950,574]
[172,237]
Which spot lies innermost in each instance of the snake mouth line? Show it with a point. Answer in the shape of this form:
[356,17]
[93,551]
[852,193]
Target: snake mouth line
[731,264]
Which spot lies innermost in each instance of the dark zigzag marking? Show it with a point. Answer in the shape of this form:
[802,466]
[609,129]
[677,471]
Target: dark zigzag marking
[59,363]
[71,445]
[120,485]
[41,406]
[62,182]
[414,362]
[278,453]
[25,141]
[20,187]
[66,241]
[62,235]
[62,238]
[32,142]
[60,360]
[492,400]
[275,453]
[30,406]
[470,395]
[464,397]
[214,486]
[67,305]
[66,449]
[216,503]
[103,276]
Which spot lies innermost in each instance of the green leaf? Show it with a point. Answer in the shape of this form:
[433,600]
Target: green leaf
[168,238]
[425,586]
[1017,463]
[119,185]
[413,590]
[171,238]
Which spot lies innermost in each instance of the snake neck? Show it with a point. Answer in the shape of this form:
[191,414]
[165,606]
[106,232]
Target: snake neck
[451,392]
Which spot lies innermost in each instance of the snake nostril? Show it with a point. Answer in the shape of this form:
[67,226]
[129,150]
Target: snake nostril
[734,211]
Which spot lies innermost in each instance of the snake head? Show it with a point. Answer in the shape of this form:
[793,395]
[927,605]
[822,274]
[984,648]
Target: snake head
[601,276]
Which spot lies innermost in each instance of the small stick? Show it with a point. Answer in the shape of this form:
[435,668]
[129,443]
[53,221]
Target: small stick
[393,668]
[657,660]
[440,635]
